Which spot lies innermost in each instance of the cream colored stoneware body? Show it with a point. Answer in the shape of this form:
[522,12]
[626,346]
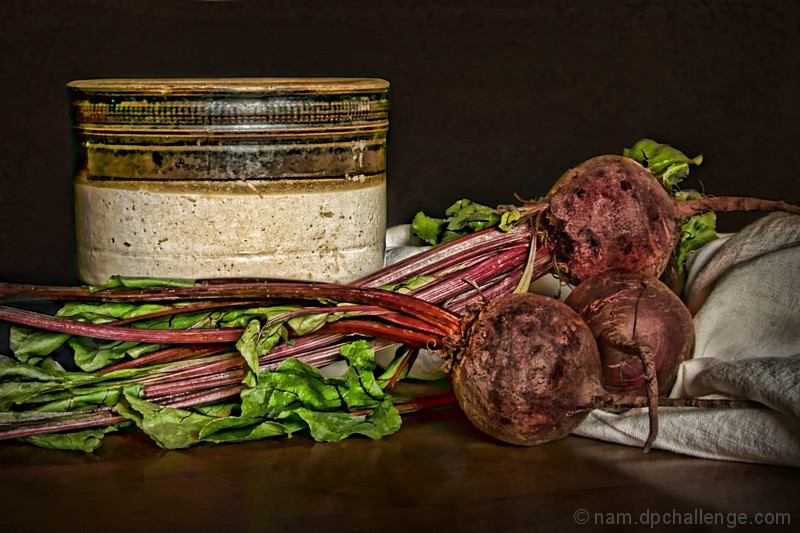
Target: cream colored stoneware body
[328,230]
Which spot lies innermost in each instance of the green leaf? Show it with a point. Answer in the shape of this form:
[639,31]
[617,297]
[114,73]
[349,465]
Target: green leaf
[281,401]
[362,389]
[450,236]
[173,428]
[17,393]
[428,229]
[91,355]
[410,284]
[257,341]
[508,219]
[333,427]
[360,355]
[30,346]
[21,382]
[170,428]
[308,323]
[93,399]
[216,318]
[99,313]
[248,344]
[461,218]
[295,384]
[292,384]
[193,320]
[25,384]
[666,163]
[695,232]
[217,409]
[86,440]
[469,215]
[234,429]
[241,317]
[131,282]
[398,369]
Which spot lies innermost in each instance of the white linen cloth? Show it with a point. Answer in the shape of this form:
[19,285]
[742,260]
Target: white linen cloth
[746,289]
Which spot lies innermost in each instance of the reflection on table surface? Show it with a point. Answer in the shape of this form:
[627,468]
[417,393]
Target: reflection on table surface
[437,471]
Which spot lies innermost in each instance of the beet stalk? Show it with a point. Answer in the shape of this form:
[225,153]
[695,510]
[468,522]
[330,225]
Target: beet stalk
[524,367]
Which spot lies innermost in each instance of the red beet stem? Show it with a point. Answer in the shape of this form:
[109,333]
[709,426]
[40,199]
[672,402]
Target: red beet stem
[409,322]
[182,382]
[169,355]
[22,291]
[454,283]
[198,398]
[482,243]
[194,383]
[189,308]
[384,331]
[488,291]
[449,322]
[201,336]
[76,421]
[101,331]
[301,346]
[418,404]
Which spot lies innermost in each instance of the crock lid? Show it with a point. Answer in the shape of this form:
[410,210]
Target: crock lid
[229,86]
[252,102]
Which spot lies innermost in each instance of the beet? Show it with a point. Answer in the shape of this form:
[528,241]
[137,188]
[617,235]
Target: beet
[630,310]
[529,362]
[610,213]
[643,331]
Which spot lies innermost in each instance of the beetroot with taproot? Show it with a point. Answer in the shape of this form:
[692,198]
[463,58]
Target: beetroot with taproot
[528,363]
[631,313]
[610,213]
[643,331]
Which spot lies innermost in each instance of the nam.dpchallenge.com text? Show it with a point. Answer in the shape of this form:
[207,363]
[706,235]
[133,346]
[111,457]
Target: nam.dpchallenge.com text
[675,517]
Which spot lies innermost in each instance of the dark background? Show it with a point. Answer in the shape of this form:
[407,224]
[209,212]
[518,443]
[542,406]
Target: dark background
[489,98]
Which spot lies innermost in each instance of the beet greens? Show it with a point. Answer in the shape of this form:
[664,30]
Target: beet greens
[171,342]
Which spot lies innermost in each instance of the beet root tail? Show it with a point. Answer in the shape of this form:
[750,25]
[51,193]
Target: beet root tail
[688,208]
[616,338]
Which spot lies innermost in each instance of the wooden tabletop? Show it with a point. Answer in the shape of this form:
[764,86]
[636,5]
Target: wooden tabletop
[436,472]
